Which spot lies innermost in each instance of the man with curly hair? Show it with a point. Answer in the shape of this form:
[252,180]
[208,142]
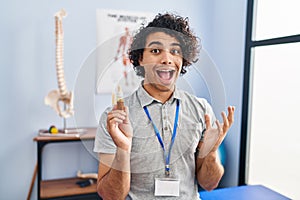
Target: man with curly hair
[164,143]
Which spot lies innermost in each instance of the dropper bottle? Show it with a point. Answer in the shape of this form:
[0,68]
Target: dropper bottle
[120,99]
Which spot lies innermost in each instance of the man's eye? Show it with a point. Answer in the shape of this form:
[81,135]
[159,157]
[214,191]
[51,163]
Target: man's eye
[155,51]
[176,51]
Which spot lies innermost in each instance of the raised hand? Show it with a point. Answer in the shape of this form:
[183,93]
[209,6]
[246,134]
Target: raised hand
[213,137]
[119,127]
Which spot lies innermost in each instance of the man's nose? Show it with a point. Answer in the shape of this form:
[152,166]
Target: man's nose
[166,57]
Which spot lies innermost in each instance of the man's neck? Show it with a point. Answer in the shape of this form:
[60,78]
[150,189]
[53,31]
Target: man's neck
[158,94]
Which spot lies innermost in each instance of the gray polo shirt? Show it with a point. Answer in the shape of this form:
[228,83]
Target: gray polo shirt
[147,157]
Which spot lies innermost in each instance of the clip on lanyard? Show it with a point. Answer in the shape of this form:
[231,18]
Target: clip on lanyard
[167,156]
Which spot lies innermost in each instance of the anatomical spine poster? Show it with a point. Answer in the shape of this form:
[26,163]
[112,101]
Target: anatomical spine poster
[115,29]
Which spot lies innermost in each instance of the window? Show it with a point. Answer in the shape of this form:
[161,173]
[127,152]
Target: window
[276,19]
[270,149]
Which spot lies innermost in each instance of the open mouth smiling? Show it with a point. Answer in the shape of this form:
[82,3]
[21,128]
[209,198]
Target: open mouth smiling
[165,74]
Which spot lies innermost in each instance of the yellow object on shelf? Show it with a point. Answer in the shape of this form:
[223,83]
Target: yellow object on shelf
[53,130]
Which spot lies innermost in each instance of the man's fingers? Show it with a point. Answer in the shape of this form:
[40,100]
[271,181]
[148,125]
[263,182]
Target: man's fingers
[116,114]
[222,133]
[220,128]
[231,110]
[114,107]
[126,120]
[225,121]
[114,118]
[114,121]
[207,121]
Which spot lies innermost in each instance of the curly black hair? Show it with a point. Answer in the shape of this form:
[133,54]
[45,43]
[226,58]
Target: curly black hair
[173,25]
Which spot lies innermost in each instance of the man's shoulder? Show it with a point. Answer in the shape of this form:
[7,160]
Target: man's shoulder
[131,98]
[187,96]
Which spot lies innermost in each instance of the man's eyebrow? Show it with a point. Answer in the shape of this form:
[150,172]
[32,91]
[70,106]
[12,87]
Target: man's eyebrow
[159,43]
[154,42]
[176,44]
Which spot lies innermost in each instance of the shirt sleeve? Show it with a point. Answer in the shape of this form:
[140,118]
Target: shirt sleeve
[103,142]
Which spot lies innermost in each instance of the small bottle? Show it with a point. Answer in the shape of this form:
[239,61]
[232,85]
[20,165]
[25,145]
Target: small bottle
[120,100]
[113,99]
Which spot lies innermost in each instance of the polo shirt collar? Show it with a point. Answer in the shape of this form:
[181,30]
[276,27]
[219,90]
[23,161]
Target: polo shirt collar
[146,99]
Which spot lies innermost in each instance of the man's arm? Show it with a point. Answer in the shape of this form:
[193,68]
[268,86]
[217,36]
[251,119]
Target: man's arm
[114,169]
[209,169]
[114,175]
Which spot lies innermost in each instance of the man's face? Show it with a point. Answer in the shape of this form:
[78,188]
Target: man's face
[162,61]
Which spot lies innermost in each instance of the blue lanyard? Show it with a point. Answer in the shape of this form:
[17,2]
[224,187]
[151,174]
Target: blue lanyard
[167,156]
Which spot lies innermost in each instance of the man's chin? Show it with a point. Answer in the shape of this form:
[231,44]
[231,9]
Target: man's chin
[163,87]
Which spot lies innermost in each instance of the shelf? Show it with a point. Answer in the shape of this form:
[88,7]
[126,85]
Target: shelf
[88,135]
[64,187]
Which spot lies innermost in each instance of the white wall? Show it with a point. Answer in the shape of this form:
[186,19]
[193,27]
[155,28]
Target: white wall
[223,36]
[28,73]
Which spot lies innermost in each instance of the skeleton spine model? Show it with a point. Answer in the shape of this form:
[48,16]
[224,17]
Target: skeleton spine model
[62,94]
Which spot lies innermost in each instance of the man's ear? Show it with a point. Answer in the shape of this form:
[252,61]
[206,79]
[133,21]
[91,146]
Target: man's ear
[140,60]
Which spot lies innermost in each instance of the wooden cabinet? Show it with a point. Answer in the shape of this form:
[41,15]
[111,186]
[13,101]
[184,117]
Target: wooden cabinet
[63,188]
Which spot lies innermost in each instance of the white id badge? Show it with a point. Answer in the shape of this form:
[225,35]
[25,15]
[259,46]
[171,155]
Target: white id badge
[166,187]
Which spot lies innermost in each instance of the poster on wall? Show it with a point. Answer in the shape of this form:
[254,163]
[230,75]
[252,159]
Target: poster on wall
[115,29]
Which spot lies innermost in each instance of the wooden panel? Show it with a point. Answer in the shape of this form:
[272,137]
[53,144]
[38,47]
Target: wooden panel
[64,187]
